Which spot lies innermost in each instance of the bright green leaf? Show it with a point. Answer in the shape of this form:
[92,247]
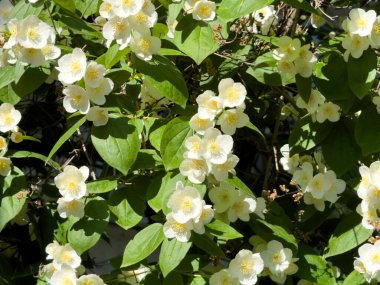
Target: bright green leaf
[367,132]
[223,230]
[171,254]
[143,244]
[101,186]
[232,9]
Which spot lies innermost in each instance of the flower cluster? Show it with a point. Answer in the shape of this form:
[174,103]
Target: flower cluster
[231,204]
[65,267]
[363,30]
[188,212]
[319,109]
[129,23]
[72,187]
[265,18]
[30,41]
[316,189]
[212,153]
[271,259]
[368,262]
[72,68]
[9,119]
[369,192]
[293,58]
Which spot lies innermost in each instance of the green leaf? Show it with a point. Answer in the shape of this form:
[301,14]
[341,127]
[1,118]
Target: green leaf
[313,267]
[207,245]
[114,55]
[86,232]
[362,73]
[10,202]
[117,143]
[24,9]
[222,230]
[87,7]
[339,148]
[305,135]
[127,207]
[195,38]
[164,76]
[79,120]
[147,159]
[155,137]
[173,278]
[232,9]
[367,133]
[143,244]
[7,76]
[172,144]
[304,87]
[101,186]
[354,278]
[265,71]
[30,154]
[302,4]
[256,130]
[156,190]
[171,254]
[347,235]
[68,5]
[237,183]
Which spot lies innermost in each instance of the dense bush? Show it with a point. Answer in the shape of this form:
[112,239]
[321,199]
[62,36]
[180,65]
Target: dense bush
[234,141]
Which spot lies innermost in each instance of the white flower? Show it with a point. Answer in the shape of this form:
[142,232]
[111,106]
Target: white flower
[223,197]
[232,119]
[47,271]
[32,1]
[231,94]
[264,14]
[337,187]
[361,22]
[355,45]
[65,255]
[318,186]
[277,258]
[360,267]
[260,207]
[50,51]
[125,8]
[106,9]
[97,94]
[90,279]
[9,117]
[216,147]
[194,169]
[3,143]
[71,182]
[304,175]
[369,214]
[223,277]
[319,204]
[185,203]
[246,266]
[65,276]
[144,45]
[12,26]
[200,125]
[51,249]
[374,37]
[174,229]
[288,49]
[220,171]
[365,182]
[242,207]
[76,99]
[374,170]
[315,99]
[317,21]
[206,216]
[17,137]
[193,145]
[209,105]
[94,74]
[305,67]
[204,10]
[5,9]
[34,33]
[289,164]
[328,111]
[31,56]
[97,115]
[72,67]
[118,29]
[70,208]
[145,18]
[370,256]
[286,67]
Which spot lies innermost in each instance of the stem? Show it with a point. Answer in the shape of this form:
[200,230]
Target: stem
[51,17]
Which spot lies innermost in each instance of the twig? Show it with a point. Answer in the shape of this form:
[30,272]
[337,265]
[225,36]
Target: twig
[90,162]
